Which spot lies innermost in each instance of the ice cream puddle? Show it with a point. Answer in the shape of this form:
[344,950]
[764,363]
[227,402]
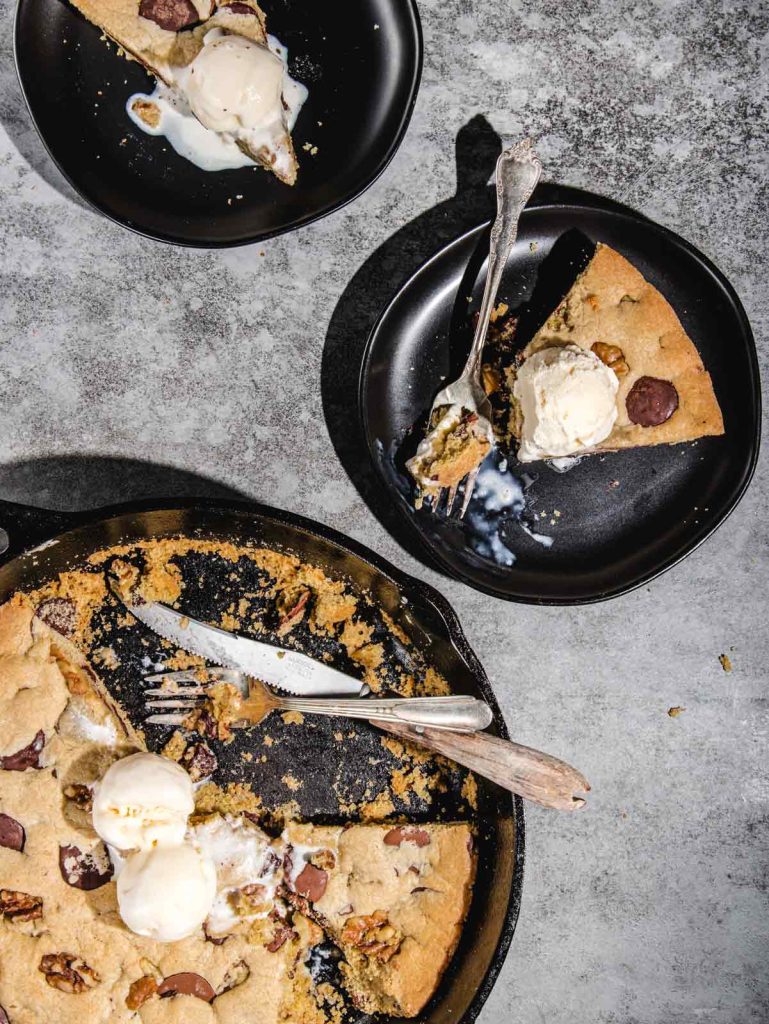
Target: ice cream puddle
[499,499]
[234,91]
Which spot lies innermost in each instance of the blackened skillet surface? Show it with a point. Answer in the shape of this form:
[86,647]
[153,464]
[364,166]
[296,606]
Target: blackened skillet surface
[356,768]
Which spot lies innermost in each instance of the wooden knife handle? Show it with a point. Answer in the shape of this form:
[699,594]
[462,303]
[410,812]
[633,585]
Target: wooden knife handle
[527,772]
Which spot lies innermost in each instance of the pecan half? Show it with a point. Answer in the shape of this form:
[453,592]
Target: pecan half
[68,973]
[20,906]
[373,935]
[612,356]
[140,991]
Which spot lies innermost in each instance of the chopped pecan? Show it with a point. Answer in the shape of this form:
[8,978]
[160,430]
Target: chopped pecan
[323,859]
[20,906]
[373,935]
[613,356]
[140,991]
[68,973]
[80,795]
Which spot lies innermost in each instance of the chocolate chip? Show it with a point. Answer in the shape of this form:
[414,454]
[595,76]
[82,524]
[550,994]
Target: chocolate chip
[27,757]
[186,984]
[172,15]
[199,760]
[59,613]
[651,401]
[239,8]
[407,834]
[85,870]
[311,882]
[12,835]
[280,936]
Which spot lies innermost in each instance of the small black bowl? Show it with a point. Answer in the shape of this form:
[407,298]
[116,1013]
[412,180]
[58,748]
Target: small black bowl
[361,61]
[617,520]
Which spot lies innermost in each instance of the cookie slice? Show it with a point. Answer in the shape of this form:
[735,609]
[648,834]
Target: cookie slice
[392,898]
[167,35]
[665,394]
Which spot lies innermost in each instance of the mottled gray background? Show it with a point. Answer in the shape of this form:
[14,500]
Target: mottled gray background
[651,905]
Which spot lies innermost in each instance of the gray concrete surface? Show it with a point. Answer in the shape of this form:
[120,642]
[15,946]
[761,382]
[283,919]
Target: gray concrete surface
[651,906]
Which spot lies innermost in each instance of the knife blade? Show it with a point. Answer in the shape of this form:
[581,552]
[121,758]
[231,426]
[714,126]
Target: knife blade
[277,666]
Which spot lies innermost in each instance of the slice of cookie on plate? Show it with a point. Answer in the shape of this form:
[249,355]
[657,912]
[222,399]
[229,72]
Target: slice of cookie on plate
[167,35]
[665,394]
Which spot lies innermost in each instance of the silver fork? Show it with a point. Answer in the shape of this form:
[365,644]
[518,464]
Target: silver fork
[517,173]
[170,704]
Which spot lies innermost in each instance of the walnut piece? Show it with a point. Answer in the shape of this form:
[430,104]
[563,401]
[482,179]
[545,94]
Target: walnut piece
[612,356]
[20,906]
[373,935]
[68,973]
[323,859]
[140,991]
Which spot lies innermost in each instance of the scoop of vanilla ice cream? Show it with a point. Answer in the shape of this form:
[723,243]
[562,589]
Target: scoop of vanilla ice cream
[143,801]
[567,400]
[166,893]
[234,83]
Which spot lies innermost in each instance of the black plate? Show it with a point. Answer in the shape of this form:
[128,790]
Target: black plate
[363,82]
[65,540]
[609,537]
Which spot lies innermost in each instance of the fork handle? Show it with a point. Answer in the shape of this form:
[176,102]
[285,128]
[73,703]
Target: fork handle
[458,713]
[517,173]
[531,774]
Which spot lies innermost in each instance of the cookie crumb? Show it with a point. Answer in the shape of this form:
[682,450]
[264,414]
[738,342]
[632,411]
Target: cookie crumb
[726,662]
[675,712]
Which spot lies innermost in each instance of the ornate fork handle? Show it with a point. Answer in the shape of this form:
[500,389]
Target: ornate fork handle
[457,713]
[517,173]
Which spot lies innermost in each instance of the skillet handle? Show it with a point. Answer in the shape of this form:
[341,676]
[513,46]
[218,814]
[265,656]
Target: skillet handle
[22,526]
[523,770]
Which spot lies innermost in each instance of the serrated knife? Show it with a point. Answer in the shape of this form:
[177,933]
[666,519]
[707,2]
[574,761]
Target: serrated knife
[277,666]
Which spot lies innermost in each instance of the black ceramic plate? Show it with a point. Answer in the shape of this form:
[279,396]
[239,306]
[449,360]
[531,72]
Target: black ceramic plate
[361,61]
[617,520]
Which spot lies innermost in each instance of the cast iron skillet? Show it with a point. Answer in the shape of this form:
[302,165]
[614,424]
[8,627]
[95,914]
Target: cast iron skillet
[622,518]
[42,543]
[361,61]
